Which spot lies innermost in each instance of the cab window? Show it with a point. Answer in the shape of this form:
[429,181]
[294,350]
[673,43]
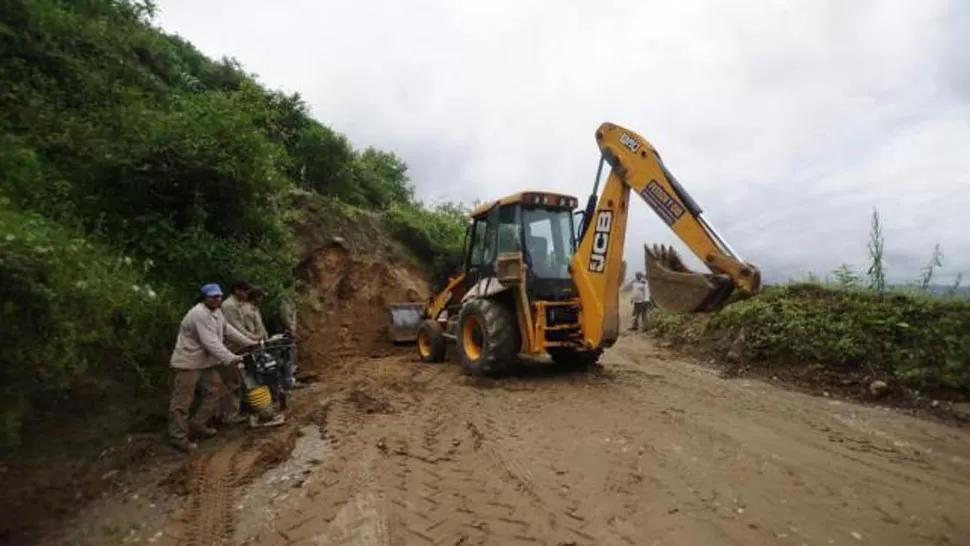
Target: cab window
[476,256]
[509,234]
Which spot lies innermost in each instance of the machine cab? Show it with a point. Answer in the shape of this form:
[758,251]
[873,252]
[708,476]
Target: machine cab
[538,227]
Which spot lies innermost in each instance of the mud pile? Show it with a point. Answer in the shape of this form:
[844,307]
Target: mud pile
[351,268]
[347,296]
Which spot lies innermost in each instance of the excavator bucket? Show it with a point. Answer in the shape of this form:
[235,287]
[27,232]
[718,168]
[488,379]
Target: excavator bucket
[405,319]
[674,287]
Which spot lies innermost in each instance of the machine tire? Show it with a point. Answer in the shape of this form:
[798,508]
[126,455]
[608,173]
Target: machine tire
[570,358]
[431,341]
[496,346]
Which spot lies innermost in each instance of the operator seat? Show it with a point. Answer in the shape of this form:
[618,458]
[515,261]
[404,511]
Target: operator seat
[539,255]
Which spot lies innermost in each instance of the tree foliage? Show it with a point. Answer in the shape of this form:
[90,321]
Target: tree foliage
[70,305]
[846,276]
[121,144]
[952,290]
[436,234]
[926,273]
[877,265]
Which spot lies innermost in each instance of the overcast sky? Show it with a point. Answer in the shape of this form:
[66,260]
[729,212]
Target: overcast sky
[787,121]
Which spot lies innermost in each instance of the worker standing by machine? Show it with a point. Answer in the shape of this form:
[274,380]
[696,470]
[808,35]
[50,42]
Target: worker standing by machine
[641,301]
[251,316]
[200,351]
[233,310]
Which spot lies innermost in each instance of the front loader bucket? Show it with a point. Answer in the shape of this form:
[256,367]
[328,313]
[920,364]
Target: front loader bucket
[674,287]
[405,318]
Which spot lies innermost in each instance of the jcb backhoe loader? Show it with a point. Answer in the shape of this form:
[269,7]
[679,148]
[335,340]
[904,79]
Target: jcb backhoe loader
[541,277]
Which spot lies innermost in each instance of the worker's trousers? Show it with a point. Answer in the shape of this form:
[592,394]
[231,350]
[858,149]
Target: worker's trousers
[640,313]
[231,400]
[208,383]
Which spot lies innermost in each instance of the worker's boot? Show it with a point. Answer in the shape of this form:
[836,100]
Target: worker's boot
[183,444]
[203,431]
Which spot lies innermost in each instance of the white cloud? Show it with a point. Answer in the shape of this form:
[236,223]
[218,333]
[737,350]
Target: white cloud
[787,121]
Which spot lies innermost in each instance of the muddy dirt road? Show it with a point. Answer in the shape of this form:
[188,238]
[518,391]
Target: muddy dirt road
[648,450]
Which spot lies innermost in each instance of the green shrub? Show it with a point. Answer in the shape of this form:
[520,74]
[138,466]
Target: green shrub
[678,327]
[69,306]
[435,235]
[923,342]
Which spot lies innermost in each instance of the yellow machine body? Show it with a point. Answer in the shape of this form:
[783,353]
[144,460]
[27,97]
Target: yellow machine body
[536,282]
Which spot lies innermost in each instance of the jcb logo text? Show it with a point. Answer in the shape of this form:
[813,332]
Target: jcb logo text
[601,241]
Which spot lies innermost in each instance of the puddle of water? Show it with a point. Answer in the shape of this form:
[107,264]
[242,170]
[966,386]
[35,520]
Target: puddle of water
[271,494]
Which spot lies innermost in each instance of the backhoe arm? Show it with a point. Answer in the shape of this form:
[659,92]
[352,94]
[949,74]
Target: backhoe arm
[640,166]
[596,267]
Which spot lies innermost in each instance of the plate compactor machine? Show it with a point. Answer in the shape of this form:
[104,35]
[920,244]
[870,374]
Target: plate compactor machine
[541,277]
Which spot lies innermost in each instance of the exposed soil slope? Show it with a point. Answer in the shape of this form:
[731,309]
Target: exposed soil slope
[347,313]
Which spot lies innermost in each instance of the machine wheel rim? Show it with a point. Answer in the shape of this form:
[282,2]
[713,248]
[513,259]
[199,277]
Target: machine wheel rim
[424,343]
[471,332]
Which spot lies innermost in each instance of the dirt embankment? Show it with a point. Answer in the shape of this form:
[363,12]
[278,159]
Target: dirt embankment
[350,270]
[347,303]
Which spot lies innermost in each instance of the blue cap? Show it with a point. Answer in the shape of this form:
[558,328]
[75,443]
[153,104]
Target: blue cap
[211,289]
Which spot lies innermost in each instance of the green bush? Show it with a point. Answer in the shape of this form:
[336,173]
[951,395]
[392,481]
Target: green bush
[922,342]
[436,235]
[69,306]
[117,139]
[678,327]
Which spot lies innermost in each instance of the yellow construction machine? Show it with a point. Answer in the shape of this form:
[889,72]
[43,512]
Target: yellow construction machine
[541,277]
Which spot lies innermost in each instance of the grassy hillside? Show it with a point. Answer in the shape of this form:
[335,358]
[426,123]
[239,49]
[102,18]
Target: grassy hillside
[133,169]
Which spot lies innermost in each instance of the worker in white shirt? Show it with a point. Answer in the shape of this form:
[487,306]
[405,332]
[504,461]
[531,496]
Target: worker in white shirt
[641,300]
[200,349]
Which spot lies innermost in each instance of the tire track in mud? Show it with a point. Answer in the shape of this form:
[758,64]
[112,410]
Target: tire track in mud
[342,507]
[439,472]
[640,449]
[454,477]
[427,466]
[357,513]
[420,472]
[349,503]
[461,470]
[211,514]
[210,481]
[207,519]
[532,440]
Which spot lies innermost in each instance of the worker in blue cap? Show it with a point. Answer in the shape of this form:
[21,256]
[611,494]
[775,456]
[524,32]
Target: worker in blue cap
[199,350]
